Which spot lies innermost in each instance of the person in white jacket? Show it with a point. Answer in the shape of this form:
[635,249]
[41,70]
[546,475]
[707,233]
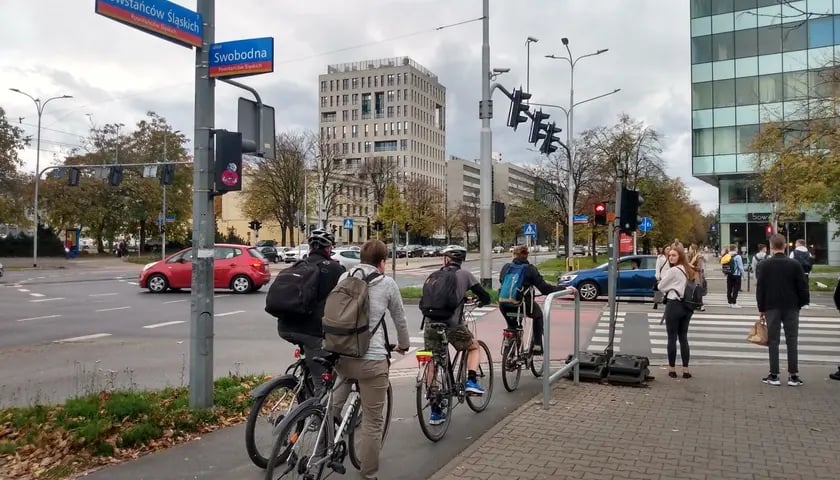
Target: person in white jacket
[677,314]
[661,266]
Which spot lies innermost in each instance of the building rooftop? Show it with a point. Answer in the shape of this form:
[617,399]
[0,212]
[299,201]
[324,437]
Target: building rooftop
[379,63]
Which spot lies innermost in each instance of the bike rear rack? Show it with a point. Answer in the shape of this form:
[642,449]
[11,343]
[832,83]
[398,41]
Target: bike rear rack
[574,363]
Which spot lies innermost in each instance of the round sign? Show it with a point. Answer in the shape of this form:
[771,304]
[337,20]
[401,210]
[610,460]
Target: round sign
[230,178]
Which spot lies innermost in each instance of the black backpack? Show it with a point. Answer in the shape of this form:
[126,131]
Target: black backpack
[804,259]
[294,292]
[440,299]
[693,294]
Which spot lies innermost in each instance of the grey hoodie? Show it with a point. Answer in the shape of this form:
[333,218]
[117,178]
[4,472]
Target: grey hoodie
[384,296]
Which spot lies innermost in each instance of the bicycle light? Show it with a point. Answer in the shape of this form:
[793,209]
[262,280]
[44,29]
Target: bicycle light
[297,353]
[423,357]
[326,377]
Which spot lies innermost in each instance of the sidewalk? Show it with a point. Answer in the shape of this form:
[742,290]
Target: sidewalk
[722,424]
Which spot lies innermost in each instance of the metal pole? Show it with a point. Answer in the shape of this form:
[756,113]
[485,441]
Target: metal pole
[612,280]
[201,312]
[570,201]
[163,208]
[577,338]
[37,182]
[394,233]
[485,227]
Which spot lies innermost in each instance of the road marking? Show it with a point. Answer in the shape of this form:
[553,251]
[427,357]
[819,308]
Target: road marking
[101,294]
[82,338]
[112,309]
[229,313]
[47,299]
[38,318]
[416,340]
[164,324]
[121,279]
[175,301]
[220,296]
[37,294]
[132,283]
[23,290]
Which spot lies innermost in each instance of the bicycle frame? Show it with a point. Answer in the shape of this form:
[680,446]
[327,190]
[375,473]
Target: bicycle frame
[327,430]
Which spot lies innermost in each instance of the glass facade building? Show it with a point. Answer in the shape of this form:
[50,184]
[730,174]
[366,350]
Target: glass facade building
[752,62]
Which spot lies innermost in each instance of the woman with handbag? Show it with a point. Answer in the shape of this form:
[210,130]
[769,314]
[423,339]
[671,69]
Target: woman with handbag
[677,314]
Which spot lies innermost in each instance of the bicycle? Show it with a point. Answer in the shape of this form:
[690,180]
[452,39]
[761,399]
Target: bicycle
[442,378]
[513,355]
[310,419]
[273,401]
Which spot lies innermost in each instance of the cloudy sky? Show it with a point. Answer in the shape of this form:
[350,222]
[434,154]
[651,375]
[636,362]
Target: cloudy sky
[117,73]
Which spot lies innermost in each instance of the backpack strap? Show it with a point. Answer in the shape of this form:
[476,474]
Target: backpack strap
[381,322]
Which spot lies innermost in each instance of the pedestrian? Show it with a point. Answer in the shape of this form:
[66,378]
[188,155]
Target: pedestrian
[781,290]
[698,263]
[661,266]
[801,254]
[836,375]
[677,314]
[372,370]
[734,273]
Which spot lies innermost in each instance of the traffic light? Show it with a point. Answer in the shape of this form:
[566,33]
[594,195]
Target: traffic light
[73,177]
[228,163]
[167,176]
[115,175]
[536,127]
[515,116]
[498,212]
[333,227]
[379,225]
[600,213]
[629,218]
[407,226]
[548,146]
[768,230]
[255,225]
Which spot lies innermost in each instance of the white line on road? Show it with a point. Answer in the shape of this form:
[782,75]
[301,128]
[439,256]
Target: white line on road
[23,290]
[38,318]
[220,296]
[47,299]
[112,309]
[164,324]
[84,337]
[229,313]
[132,283]
[37,294]
[175,301]
[416,339]
[101,294]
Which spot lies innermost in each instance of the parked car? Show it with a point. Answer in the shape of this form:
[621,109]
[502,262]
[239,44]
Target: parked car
[272,254]
[240,268]
[636,277]
[293,254]
[266,243]
[579,251]
[431,251]
[347,257]
[498,249]
[414,251]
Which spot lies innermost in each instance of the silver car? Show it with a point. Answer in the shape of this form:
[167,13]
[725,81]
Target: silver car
[347,257]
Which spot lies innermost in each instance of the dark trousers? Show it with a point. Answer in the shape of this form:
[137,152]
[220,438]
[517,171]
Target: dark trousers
[532,310]
[310,346]
[733,286]
[677,318]
[789,319]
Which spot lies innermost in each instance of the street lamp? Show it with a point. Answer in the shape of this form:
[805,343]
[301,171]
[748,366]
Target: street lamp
[163,205]
[528,42]
[569,135]
[39,105]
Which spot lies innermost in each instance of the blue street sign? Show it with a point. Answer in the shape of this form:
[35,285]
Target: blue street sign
[714,228]
[348,224]
[580,219]
[161,18]
[242,57]
[646,224]
[530,230]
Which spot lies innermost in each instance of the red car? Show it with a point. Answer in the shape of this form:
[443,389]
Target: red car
[239,268]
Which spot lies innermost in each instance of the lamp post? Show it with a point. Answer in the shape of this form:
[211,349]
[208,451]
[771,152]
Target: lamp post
[528,43]
[569,135]
[163,203]
[39,105]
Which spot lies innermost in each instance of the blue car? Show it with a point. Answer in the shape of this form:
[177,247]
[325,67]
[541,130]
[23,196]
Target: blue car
[636,277]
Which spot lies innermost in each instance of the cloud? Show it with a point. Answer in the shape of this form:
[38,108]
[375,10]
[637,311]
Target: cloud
[117,73]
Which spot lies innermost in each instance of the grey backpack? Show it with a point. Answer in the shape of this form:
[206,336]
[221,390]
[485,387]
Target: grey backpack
[346,324]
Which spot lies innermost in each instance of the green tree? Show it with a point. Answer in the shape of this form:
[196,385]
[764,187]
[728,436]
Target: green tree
[393,208]
[423,206]
[13,183]
[668,203]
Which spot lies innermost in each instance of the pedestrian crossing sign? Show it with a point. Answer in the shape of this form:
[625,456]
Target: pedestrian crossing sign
[530,229]
[348,224]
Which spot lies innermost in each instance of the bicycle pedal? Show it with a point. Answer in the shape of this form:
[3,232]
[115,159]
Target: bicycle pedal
[338,468]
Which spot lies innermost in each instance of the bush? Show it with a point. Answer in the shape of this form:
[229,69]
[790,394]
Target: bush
[49,245]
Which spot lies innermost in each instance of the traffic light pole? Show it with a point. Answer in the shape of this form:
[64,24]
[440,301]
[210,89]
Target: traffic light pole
[612,280]
[201,311]
[486,165]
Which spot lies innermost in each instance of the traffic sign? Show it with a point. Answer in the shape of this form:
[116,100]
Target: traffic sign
[530,230]
[161,18]
[714,227]
[580,219]
[646,224]
[348,224]
[240,58]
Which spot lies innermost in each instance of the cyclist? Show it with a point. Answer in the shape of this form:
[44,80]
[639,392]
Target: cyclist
[531,278]
[458,334]
[307,332]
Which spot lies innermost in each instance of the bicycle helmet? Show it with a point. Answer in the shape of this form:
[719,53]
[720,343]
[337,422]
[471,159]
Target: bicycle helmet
[456,253]
[320,238]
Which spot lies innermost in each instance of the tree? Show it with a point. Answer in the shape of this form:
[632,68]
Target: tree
[378,173]
[468,219]
[13,182]
[276,186]
[424,207]
[393,208]
[329,171]
[628,146]
[451,220]
[668,203]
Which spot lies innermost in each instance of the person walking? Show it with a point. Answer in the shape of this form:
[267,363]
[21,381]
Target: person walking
[836,375]
[781,290]
[733,278]
[805,258]
[677,314]
[698,263]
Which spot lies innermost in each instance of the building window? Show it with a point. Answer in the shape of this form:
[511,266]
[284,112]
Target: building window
[725,141]
[345,149]
[379,104]
[386,146]
[345,84]
[796,85]
[746,91]
[794,36]
[366,130]
[390,112]
[820,32]
[355,114]
[724,93]
[723,46]
[323,85]
[701,49]
[703,142]
[391,96]
[355,99]
[746,136]
[367,147]
[354,131]
[323,101]
[328,117]
[355,82]
[403,144]
[746,43]
[375,129]
[769,40]
[771,88]
[721,6]
[365,105]
[345,115]
[344,99]
[390,79]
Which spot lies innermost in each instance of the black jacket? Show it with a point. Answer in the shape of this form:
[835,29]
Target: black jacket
[780,284]
[533,278]
[330,272]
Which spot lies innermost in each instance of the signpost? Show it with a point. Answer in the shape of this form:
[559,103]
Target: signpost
[530,232]
[646,224]
[161,18]
[580,219]
[348,224]
[242,57]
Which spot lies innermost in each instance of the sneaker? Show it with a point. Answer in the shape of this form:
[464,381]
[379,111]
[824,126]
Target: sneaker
[835,375]
[735,305]
[437,418]
[794,381]
[474,388]
[806,307]
[772,379]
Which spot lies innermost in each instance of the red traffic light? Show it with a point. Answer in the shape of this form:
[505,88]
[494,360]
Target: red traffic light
[600,208]
[769,229]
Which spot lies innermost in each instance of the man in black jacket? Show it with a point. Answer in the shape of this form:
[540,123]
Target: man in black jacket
[532,278]
[781,290]
[307,332]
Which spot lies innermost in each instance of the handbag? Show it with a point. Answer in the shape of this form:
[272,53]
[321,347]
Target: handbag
[758,333]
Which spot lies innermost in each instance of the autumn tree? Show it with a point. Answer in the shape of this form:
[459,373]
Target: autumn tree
[393,208]
[13,194]
[424,207]
[468,219]
[378,173]
[630,147]
[675,215]
[329,171]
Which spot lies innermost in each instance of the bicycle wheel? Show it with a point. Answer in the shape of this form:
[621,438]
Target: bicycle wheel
[485,378]
[266,413]
[356,435]
[511,366]
[535,361]
[434,389]
[298,436]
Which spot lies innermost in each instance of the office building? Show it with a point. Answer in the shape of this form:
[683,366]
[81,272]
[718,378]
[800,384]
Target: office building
[511,183]
[753,62]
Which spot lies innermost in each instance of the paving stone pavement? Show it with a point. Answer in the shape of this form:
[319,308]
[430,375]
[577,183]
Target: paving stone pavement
[722,424]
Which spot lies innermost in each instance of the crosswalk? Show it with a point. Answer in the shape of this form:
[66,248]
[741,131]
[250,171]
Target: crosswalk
[722,336]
